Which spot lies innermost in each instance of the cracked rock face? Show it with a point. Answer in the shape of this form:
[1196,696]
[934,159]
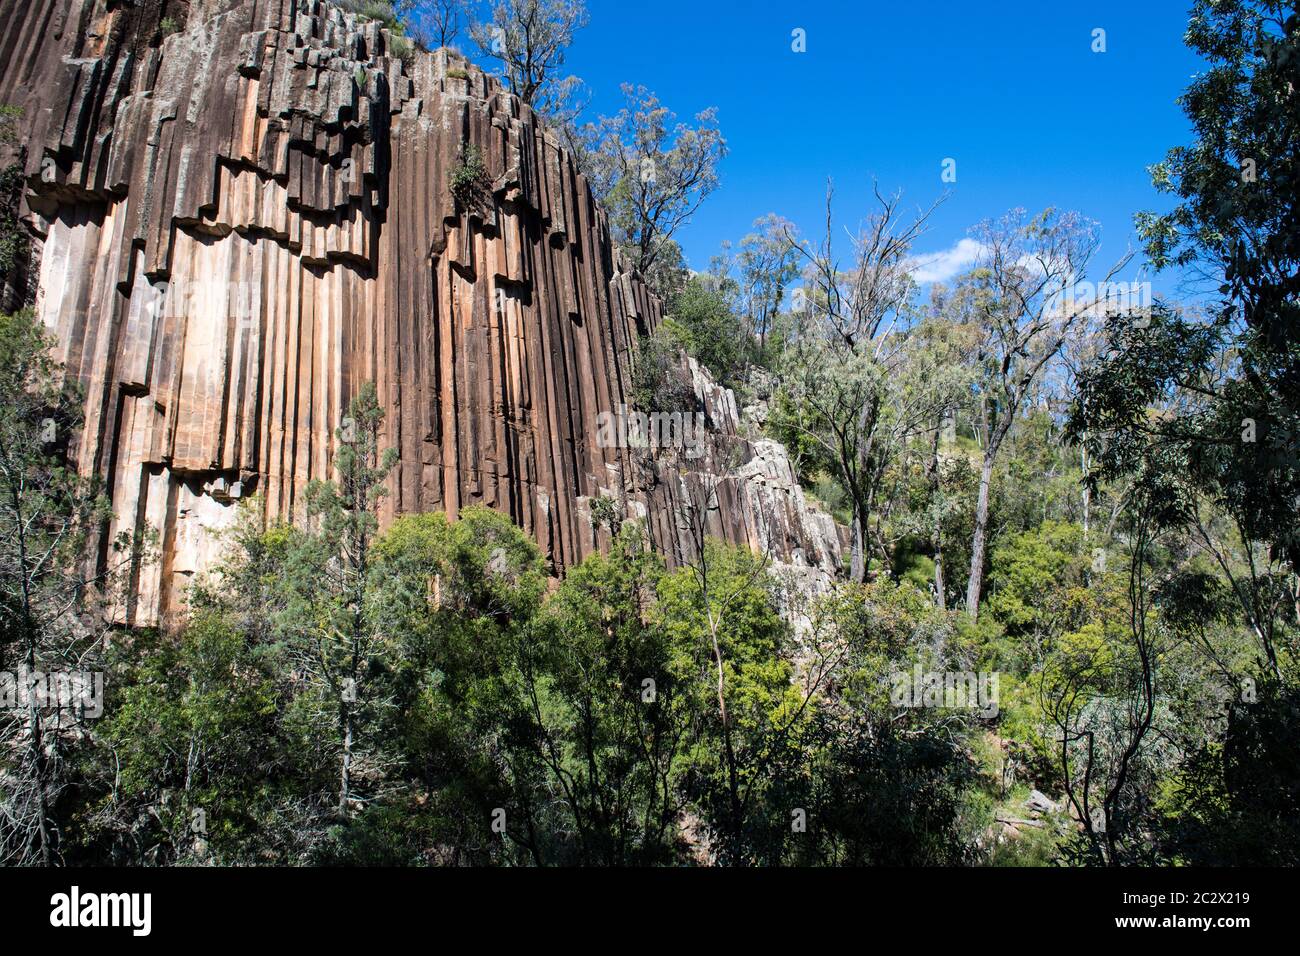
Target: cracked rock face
[239,222]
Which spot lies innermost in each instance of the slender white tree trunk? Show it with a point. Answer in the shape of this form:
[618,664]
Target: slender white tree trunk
[978,538]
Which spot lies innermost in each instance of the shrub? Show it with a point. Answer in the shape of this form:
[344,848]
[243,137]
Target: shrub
[13,235]
[468,179]
[704,321]
[378,10]
[659,380]
[402,48]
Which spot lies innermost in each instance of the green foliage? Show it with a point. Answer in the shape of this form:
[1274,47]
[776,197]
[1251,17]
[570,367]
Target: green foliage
[13,234]
[403,48]
[49,519]
[660,381]
[1044,581]
[325,617]
[1196,415]
[9,117]
[468,179]
[915,767]
[880,777]
[651,174]
[701,318]
[204,770]
[1232,435]
[1237,802]
[605,513]
[612,707]
[510,726]
[767,263]
[373,10]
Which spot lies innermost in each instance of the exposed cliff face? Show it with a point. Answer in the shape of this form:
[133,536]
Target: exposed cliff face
[238,225]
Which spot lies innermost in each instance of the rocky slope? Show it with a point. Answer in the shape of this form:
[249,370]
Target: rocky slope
[242,212]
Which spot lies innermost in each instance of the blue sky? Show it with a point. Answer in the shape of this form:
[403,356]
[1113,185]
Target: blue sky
[1011,90]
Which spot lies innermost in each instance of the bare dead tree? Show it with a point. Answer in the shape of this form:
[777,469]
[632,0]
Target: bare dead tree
[848,367]
[434,23]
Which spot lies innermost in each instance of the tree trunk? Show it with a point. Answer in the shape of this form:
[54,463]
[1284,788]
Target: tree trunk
[1085,492]
[37,744]
[856,467]
[935,490]
[345,773]
[941,602]
[978,538]
[857,561]
[38,767]
[733,777]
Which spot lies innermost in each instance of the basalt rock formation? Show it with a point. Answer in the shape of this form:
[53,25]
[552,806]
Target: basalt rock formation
[244,209]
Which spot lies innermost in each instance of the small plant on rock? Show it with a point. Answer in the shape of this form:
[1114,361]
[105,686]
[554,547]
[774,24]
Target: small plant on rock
[468,179]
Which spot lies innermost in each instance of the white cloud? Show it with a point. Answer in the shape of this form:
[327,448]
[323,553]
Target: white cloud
[943,265]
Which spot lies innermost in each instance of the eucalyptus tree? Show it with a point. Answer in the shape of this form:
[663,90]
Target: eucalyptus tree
[327,616]
[1210,395]
[652,173]
[767,264]
[1027,292]
[530,39]
[855,385]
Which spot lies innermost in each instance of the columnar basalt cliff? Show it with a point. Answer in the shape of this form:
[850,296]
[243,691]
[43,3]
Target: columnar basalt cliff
[239,219]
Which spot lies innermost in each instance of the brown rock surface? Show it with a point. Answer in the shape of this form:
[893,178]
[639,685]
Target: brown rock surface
[238,224]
